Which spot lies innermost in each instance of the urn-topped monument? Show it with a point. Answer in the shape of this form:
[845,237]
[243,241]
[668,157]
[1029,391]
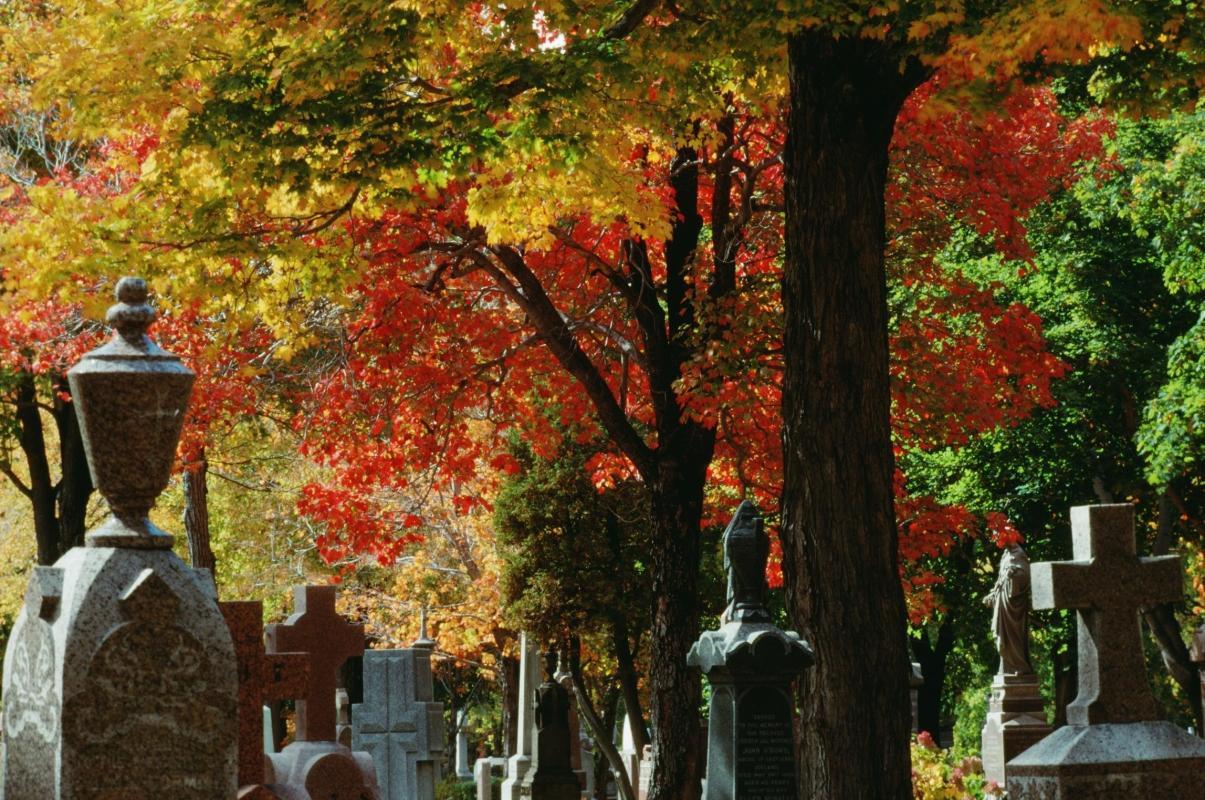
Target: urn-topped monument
[119,678]
[750,664]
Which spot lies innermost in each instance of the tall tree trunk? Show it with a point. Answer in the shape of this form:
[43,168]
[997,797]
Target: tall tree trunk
[932,658]
[508,677]
[840,554]
[677,508]
[75,486]
[40,490]
[196,514]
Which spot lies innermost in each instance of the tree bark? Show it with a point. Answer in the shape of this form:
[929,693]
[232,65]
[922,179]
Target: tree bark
[932,658]
[840,553]
[196,515]
[677,509]
[75,485]
[41,490]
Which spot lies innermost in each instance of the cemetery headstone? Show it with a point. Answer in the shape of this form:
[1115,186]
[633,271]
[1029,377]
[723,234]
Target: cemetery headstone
[314,760]
[520,763]
[628,753]
[399,723]
[916,679]
[1114,744]
[1016,717]
[120,677]
[565,678]
[750,664]
[553,777]
[342,717]
[261,677]
[484,770]
[646,773]
[1196,652]
[462,746]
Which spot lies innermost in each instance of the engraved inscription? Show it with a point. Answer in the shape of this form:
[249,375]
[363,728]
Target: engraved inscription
[150,704]
[31,714]
[765,757]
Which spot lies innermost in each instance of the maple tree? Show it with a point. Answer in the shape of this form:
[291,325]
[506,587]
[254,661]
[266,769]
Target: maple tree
[463,145]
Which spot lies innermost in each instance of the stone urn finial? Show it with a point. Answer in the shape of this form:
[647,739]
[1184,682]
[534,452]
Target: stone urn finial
[130,397]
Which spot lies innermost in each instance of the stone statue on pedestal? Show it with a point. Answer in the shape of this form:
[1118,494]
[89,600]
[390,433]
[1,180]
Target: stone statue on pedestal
[1016,716]
[1009,601]
[554,778]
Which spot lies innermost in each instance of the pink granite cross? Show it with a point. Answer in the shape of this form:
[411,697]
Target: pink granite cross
[261,678]
[1108,584]
[315,628]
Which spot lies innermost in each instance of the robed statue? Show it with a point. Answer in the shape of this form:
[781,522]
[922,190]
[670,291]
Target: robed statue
[746,548]
[1009,601]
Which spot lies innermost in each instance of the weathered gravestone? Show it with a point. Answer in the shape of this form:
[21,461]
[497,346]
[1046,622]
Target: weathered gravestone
[314,760]
[628,752]
[120,678]
[1114,744]
[399,723]
[750,664]
[519,764]
[1016,717]
[646,774]
[462,746]
[1196,653]
[552,776]
[565,678]
[484,770]
[262,677]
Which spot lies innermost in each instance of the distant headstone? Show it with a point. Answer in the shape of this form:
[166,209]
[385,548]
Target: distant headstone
[462,746]
[1196,653]
[553,777]
[399,723]
[314,760]
[628,752]
[120,678]
[342,717]
[565,678]
[916,679]
[1016,717]
[520,762]
[750,664]
[1114,744]
[262,677]
[646,773]
[484,770]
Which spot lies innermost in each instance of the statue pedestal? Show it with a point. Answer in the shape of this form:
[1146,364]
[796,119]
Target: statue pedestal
[1016,720]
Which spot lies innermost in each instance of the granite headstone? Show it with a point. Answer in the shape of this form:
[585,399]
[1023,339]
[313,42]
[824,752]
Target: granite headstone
[120,677]
[750,664]
[1114,744]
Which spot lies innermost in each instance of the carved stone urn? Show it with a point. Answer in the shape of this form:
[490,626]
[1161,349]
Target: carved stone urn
[130,396]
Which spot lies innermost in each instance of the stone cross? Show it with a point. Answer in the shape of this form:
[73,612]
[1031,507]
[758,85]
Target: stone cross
[1108,585]
[317,629]
[262,677]
[399,723]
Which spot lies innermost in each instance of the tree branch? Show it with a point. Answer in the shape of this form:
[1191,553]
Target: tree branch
[528,293]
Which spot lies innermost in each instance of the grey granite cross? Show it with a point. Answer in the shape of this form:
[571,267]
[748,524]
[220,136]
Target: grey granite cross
[1108,585]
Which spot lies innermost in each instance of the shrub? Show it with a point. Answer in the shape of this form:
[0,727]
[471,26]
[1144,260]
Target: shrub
[937,775]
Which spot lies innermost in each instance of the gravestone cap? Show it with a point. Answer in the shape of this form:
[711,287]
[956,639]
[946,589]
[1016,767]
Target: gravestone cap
[130,397]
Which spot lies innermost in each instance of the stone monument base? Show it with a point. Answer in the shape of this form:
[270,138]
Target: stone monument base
[1131,760]
[326,770]
[555,787]
[1016,721]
